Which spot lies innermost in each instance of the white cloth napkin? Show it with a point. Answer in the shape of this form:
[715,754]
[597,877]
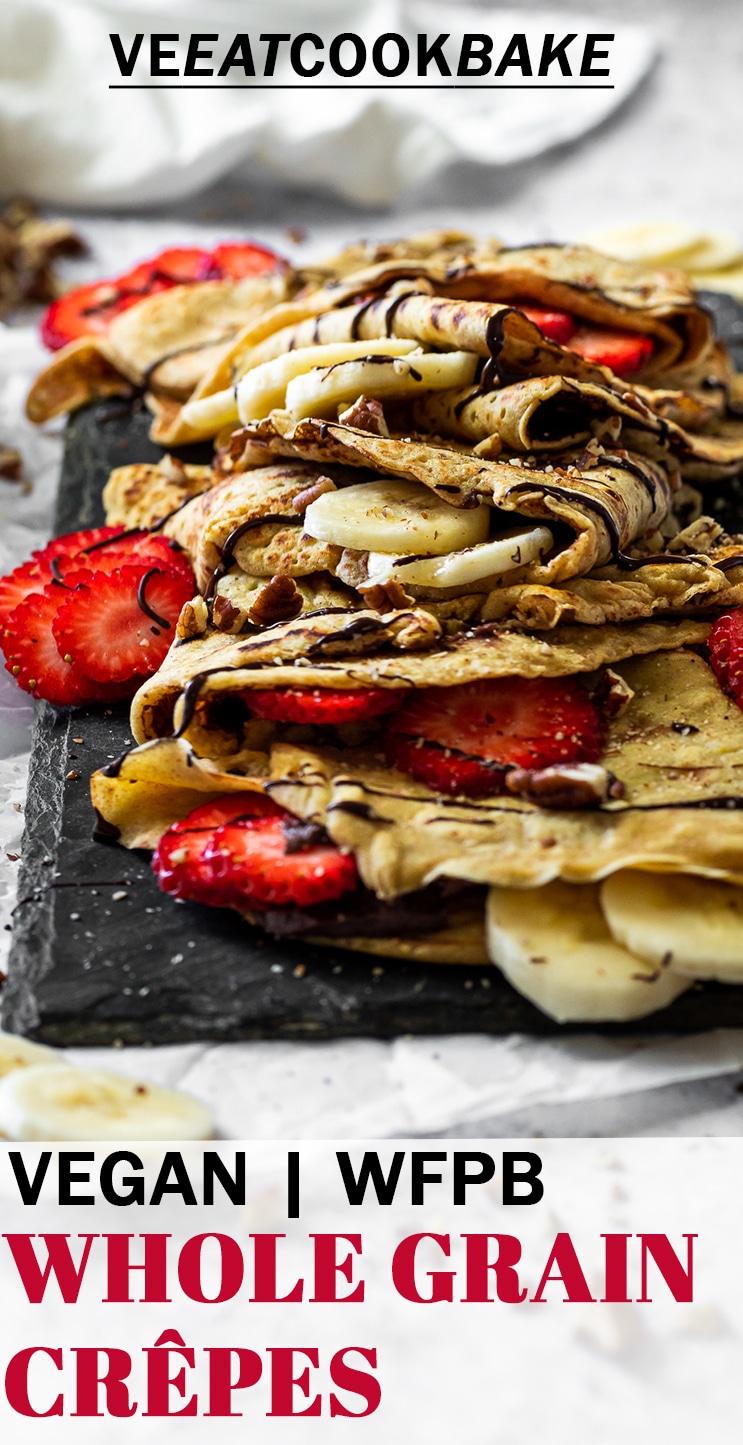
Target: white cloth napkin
[68,139]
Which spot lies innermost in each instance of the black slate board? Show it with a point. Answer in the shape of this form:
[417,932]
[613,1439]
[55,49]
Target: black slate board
[100,956]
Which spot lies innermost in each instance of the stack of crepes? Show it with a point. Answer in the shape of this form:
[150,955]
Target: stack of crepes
[457,589]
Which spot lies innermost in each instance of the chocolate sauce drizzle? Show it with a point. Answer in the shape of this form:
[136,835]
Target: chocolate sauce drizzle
[592,504]
[228,557]
[144,604]
[190,696]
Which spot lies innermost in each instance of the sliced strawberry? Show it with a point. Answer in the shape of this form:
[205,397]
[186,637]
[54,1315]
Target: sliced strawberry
[321,705]
[175,266]
[622,351]
[86,311]
[120,624]
[235,259]
[464,739]
[725,644]
[89,310]
[132,549]
[556,325]
[74,542]
[261,865]
[31,577]
[178,859]
[33,657]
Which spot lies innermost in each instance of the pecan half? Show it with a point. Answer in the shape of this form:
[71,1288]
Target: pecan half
[611,693]
[368,415]
[278,601]
[11,466]
[311,493]
[225,616]
[565,785]
[385,596]
[193,620]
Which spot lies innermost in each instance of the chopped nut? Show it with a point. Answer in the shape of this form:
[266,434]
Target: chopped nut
[72,776]
[417,630]
[353,567]
[367,414]
[489,447]
[11,465]
[225,616]
[193,620]
[311,493]
[278,601]
[297,234]
[611,693]
[172,469]
[565,785]
[385,596]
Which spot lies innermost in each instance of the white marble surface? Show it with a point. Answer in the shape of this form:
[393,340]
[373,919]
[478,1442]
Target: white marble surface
[670,152]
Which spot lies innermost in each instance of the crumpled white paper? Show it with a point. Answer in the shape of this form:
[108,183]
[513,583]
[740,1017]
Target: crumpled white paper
[67,139]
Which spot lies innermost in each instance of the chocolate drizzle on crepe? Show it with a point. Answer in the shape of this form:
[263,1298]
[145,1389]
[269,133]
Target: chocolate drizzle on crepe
[228,550]
[592,504]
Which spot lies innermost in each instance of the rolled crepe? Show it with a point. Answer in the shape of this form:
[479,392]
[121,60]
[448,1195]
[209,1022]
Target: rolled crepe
[168,341]
[398,650]
[677,747]
[605,506]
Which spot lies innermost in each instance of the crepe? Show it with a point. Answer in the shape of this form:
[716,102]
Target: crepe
[676,747]
[166,343]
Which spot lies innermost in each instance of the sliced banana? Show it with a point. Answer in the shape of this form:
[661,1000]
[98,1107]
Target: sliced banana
[730,281]
[321,391]
[712,252]
[692,926]
[18,1053]
[503,554]
[53,1102]
[209,414]
[554,946]
[265,387]
[645,240]
[393,516]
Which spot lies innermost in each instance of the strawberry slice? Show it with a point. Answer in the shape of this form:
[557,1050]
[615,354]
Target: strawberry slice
[623,352]
[31,577]
[178,860]
[266,864]
[89,310]
[33,657]
[74,542]
[725,644]
[321,705]
[86,311]
[135,549]
[120,624]
[556,325]
[175,266]
[235,259]
[464,739]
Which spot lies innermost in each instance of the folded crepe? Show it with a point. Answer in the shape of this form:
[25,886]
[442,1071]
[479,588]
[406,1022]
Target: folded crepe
[166,343]
[675,744]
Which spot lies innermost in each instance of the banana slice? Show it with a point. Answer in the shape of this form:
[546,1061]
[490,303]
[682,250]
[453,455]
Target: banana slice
[553,945]
[730,281]
[693,926]
[18,1053]
[60,1102]
[645,240]
[712,252]
[503,554]
[321,391]
[265,387]
[392,516]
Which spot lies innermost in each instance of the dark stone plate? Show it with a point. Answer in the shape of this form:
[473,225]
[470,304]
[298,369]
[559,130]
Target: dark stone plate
[99,955]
